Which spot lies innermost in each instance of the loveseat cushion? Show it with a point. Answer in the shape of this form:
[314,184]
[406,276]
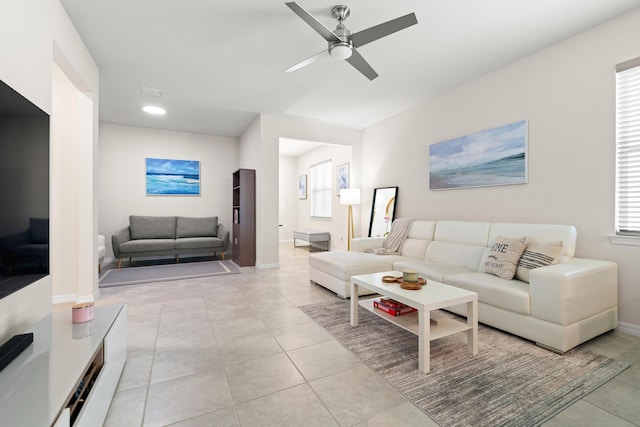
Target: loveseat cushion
[196,227]
[342,265]
[147,245]
[512,295]
[430,270]
[199,243]
[152,227]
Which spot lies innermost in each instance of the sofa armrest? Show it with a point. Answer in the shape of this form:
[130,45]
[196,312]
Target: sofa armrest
[119,238]
[223,233]
[360,244]
[572,291]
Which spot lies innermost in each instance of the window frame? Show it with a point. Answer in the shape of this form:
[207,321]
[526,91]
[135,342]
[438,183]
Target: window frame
[627,179]
[321,190]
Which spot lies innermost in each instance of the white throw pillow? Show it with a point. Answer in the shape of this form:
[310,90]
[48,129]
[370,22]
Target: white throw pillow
[538,254]
[502,258]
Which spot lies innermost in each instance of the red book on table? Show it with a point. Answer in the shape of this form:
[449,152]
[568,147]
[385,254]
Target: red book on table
[394,311]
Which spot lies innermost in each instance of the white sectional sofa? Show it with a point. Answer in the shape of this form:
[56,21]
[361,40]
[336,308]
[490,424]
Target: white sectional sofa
[563,304]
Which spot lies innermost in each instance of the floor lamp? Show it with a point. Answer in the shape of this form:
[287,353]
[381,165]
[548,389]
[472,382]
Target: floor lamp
[350,196]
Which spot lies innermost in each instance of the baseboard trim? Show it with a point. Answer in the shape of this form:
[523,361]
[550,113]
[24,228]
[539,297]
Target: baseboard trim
[629,328]
[114,260]
[62,299]
[268,266]
[85,298]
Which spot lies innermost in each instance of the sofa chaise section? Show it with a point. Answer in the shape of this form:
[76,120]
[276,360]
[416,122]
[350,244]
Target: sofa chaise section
[333,270]
[148,236]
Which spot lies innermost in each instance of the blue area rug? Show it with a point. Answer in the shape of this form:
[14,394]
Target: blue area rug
[167,272]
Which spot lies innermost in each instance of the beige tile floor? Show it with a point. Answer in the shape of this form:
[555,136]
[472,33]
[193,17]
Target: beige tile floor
[236,351]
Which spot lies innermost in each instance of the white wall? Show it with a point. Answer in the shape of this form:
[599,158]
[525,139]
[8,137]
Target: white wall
[567,94]
[121,175]
[249,149]
[287,197]
[74,142]
[337,224]
[259,150]
[64,162]
[30,32]
[295,212]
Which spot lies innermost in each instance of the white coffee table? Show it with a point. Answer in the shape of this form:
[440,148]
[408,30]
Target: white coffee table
[433,296]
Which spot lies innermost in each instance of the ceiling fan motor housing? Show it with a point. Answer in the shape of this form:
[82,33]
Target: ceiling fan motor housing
[341,50]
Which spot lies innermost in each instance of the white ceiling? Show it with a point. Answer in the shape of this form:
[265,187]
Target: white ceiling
[218,64]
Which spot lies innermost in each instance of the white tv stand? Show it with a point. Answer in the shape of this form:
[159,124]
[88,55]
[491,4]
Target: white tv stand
[69,374]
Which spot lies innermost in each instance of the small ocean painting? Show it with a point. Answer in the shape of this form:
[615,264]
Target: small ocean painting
[492,157]
[173,177]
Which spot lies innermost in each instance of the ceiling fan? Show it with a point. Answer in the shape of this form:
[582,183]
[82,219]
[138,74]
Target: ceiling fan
[342,43]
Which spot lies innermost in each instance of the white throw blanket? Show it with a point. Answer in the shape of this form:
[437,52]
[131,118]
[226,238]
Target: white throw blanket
[394,240]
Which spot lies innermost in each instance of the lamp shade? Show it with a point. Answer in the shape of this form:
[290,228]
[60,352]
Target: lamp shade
[350,196]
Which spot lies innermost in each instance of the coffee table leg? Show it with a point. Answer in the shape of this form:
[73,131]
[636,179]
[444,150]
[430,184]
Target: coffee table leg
[472,320]
[354,304]
[424,340]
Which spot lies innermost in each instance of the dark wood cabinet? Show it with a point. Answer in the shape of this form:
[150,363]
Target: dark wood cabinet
[244,217]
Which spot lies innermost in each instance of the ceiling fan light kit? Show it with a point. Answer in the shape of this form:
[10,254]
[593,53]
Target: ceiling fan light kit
[340,50]
[341,43]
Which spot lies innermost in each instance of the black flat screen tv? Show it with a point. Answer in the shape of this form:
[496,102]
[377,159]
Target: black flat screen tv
[24,192]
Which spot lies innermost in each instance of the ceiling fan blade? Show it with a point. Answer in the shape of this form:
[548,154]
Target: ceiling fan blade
[325,32]
[361,65]
[381,30]
[308,61]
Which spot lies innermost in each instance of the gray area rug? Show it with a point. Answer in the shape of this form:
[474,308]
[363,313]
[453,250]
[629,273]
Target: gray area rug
[511,382]
[167,272]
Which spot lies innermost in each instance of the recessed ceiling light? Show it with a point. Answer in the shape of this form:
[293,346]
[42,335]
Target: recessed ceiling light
[158,111]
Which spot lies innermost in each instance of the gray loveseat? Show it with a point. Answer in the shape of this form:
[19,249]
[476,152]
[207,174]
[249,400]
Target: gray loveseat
[169,235]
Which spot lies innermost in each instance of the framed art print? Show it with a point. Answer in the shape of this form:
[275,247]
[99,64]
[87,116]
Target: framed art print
[491,157]
[342,178]
[302,187]
[172,177]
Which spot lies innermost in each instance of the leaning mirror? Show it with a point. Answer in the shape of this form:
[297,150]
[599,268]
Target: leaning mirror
[383,211]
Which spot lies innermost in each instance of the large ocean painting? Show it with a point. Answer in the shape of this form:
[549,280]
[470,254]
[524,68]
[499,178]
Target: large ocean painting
[173,177]
[492,157]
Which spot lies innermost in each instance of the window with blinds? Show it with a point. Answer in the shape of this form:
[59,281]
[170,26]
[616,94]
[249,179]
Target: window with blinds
[320,189]
[628,148]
